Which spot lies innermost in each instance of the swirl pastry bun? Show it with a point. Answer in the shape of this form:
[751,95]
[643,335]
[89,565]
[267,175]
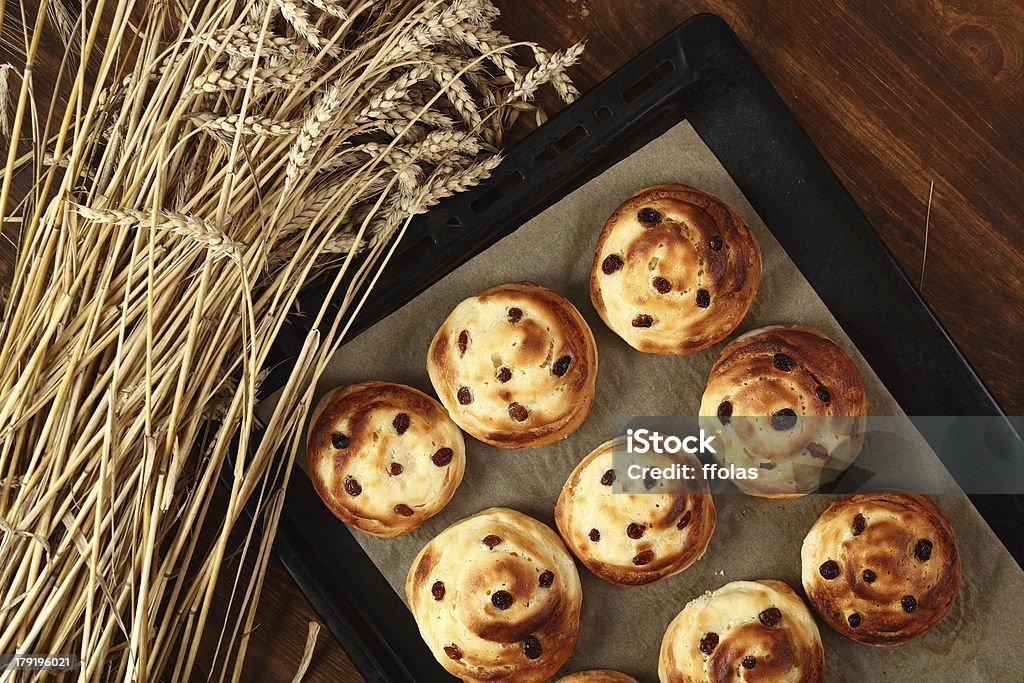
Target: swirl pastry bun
[631,532]
[597,676]
[497,598]
[675,270]
[881,568]
[515,366]
[788,402]
[384,457]
[744,631]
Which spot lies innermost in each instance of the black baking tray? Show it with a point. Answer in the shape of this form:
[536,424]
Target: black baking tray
[699,72]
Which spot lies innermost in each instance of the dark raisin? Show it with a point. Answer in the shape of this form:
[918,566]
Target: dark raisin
[339,441]
[648,216]
[643,320]
[611,264]
[437,590]
[404,510]
[515,315]
[643,558]
[352,487]
[923,550]
[684,521]
[595,535]
[442,457]
[502,599]
[783,419]
[823,394]
[909,603]
[748,662]
[465,396]
[817,451]
[504,375]
[767,465]
[703,299]
[532,648]
[395,469]
[708,643]
[715,243]
[546,579]
[859,523]
[783,362]
[635,530]
[662,285]
[453,651]
[463,342]
[869,576]
[649,482]
[561,366]
[770,617]
[829,569]
[608,478]
[517,412]
[854,620]
[401,423]
[725,412]
[490,540]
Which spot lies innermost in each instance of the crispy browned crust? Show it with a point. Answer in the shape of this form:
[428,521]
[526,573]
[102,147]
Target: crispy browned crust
[893,524]
[597,676]
[489,639]
[364,413]
[746,376]
[585,504]
[550,329]
[680,243]
[788,652]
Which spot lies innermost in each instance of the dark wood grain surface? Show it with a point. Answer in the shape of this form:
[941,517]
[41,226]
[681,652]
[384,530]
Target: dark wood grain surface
[897,95]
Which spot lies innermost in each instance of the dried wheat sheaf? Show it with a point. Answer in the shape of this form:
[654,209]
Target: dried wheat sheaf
[202,162]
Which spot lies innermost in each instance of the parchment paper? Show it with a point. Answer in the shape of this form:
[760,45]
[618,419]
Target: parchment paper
[621,628]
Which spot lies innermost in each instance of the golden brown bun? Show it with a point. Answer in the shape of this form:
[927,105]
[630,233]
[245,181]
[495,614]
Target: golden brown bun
[744,631]
[760,376]
[682,280]
[909,550]
[629,538]
[497,598]
[515,366]
[597,676]
[384,457]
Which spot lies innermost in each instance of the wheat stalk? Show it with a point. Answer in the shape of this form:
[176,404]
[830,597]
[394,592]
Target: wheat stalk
[204,163]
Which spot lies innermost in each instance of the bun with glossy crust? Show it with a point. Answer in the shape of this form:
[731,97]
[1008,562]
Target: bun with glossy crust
[675,270]
[515,366]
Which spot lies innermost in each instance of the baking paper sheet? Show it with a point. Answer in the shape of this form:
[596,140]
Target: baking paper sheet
[621,628]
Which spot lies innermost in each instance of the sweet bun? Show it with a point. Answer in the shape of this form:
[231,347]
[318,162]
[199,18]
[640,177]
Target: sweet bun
[675,270]
[496,598]
[744,631]
[597,676]
[384,457]
[881,568]
[632,532]
[788,402]
[515,366]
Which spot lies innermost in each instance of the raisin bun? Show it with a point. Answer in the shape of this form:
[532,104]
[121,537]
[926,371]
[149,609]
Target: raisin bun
[497,598]
[675,271]
[633,532]
[515,366]
[384,457]
[881,568]
[597,676]
[788,402]
[744,631]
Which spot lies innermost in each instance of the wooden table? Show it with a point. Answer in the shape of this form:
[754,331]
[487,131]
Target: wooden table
[897,95]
